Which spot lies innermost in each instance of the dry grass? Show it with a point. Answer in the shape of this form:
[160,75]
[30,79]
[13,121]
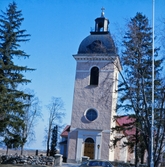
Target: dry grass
[25,152]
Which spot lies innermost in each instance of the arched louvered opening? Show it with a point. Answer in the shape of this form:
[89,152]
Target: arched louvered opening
[94,76]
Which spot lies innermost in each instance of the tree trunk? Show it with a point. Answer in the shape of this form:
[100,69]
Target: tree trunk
[142,156]
[7,150]
[21,150]
[47,153]
[136,146]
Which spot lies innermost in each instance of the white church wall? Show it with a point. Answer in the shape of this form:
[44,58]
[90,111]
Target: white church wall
[72,142]
[80,147]
[98,97]
[82,136]
[105,146]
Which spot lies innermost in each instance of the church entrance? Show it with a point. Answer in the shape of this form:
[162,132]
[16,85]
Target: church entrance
[89,148]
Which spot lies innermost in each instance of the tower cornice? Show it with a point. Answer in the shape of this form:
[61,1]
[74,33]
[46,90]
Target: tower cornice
[99,57]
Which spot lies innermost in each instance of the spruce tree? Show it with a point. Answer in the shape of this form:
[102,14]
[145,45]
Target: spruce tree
[11,74]
[135,89]
[54,139]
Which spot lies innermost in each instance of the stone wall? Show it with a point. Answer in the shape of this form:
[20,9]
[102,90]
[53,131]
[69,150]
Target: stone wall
[24,159]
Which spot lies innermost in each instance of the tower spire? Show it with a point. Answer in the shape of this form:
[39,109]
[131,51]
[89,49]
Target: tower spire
[101,24]
[102,13]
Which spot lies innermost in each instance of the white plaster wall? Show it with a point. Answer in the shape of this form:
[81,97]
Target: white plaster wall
[103,98]
[82,136]
[104,145]
[72,144]
[98,97]
[76,143]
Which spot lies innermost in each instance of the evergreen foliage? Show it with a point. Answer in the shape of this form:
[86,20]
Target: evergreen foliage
[54,139]
[135,89]
[11,75]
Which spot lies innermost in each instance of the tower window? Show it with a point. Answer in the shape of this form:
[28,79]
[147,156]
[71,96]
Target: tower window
[100,27]
[91,115]
[94,76]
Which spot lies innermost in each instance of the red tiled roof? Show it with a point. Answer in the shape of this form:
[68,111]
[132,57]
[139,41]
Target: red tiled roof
[65,131]
[121,121]
[126,120]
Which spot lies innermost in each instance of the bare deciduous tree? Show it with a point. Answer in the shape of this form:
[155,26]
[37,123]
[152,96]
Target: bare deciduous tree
[56,114]
[32,114]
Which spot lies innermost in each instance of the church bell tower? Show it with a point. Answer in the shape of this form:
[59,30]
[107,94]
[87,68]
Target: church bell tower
[95,95]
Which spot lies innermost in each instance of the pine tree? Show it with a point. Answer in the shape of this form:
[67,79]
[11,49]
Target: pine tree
[11,74]
[54,140]
[135,89]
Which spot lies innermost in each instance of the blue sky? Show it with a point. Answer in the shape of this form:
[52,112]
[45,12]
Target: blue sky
[57,27]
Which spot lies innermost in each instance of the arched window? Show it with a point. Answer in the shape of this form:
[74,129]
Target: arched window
[94,76]
[89,140]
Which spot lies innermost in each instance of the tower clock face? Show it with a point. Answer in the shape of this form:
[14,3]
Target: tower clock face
[91,115]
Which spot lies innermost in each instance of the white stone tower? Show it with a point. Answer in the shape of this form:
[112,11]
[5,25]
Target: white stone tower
[95,95]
